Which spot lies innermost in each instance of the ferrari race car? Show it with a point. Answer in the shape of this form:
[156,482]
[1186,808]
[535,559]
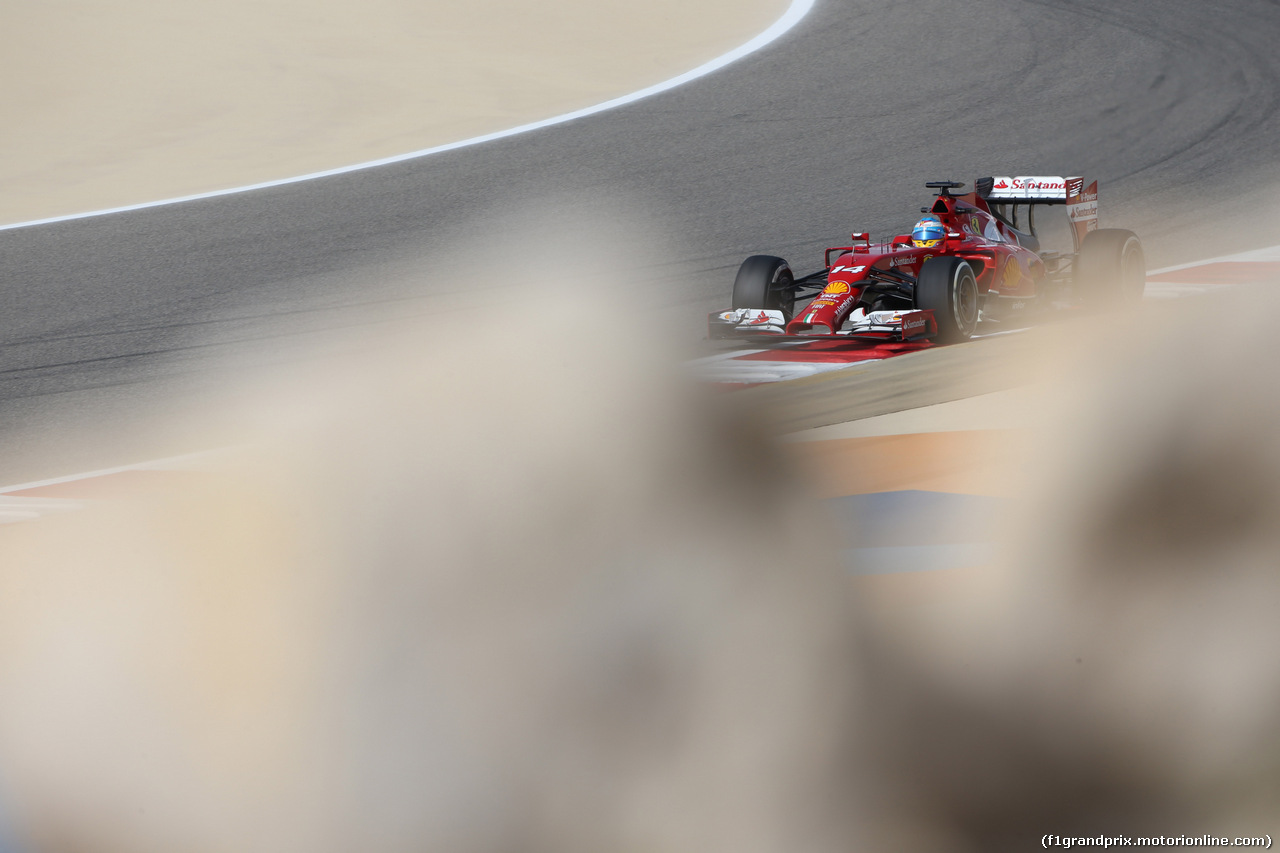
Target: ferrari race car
[967,260]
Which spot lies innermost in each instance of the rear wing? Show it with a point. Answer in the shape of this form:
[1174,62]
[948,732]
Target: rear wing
[1081,202]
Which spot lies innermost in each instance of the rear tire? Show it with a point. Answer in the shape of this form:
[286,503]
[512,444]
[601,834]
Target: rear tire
[947,287]
[1111,268]
[765,282]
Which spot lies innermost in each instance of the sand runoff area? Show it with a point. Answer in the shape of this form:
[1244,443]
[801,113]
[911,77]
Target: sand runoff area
[107,103]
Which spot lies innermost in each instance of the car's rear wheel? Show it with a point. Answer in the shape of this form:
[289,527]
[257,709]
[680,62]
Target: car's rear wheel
[947,287]
[765,282]
[1111,268]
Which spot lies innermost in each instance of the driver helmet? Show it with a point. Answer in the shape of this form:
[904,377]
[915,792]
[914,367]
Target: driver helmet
[928,233]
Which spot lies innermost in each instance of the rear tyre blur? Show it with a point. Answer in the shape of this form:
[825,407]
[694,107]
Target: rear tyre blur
[947,287]
[765,282]
[1111,268]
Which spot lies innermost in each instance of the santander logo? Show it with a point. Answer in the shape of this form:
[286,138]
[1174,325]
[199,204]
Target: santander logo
[1030,187]
[1024,184]
[914,322]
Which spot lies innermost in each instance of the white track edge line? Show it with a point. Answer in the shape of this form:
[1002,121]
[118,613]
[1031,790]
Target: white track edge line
[794,14]
[1254,255]
[168,463]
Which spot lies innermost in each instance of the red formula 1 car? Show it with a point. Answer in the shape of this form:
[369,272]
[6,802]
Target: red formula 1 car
[965,261]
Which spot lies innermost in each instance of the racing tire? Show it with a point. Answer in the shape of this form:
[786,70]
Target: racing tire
[1111,268]
[765,282]
[947,287]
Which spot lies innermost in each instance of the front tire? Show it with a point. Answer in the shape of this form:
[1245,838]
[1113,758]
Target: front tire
[1111,268]
[765,282]
[947,287]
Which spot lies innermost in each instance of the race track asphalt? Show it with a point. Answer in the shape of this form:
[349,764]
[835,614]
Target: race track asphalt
[834,128]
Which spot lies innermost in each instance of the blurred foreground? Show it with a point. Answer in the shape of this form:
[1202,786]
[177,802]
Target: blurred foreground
[462,592]
[474,593]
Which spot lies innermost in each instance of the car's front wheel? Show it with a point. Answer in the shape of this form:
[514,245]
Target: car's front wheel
[766,282]
[947,287]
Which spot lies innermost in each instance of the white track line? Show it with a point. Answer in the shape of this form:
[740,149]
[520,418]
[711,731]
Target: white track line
[186,462]
[794,14]
[1271,253]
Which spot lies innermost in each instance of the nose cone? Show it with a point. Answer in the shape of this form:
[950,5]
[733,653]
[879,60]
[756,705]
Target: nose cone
[825,314]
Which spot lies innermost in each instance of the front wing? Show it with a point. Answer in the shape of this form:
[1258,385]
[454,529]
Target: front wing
[874,325]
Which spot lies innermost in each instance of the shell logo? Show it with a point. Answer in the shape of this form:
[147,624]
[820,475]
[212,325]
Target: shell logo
[836,288]
[1012,273]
